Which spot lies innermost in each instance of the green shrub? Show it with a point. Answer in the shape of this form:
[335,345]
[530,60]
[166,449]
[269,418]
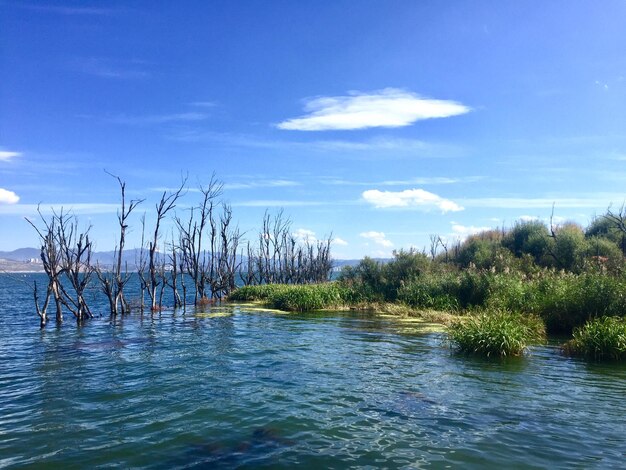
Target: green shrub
[527,237]
[372,281]
[567,301]
[257,292]
[478,252]
[497,333]
[568,247]
[302,298]
[436,292]
[603,255]
[364,280]
[474,288]
[599,339]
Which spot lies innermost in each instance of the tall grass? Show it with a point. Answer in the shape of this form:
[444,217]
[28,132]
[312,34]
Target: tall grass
[599,339]
[257,292]
[563,300]
[497,333]
[298,298]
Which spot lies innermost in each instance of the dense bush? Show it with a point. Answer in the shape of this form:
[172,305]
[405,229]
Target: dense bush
[568,247]
[365,280]
[599,339]
[302,298]
[528,237]
[256,292]
[294,297]
[372,281]
[436,291]
[498,333]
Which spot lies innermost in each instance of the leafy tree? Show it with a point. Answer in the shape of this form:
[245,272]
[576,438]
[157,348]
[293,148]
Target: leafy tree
[528,237]
[609,226]
[568,247]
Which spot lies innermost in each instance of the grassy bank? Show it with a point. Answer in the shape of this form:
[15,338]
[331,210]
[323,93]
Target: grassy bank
[599,339]
[564,301]
[294,298]
[496,333]
[486,313]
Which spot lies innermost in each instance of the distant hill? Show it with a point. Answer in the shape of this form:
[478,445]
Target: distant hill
[27,259]
[30,256]
[21,254]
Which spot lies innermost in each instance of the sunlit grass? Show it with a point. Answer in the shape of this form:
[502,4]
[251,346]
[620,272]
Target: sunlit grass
[294,298]
[256,292]
[599,339]
[498,333]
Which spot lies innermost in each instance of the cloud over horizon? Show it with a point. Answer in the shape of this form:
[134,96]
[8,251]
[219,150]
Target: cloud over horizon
[7,155]
[379,238]
[8,197]
[390,107]
[409,198]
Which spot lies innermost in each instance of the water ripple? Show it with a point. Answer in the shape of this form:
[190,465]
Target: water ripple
[250,389]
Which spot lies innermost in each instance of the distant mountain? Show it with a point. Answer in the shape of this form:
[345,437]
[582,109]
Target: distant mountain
[30,256]
[340,263]
[105,258]
[21,254]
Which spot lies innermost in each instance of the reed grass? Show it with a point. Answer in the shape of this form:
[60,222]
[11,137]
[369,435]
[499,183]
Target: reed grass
[294,298]
[496,333]
[256,292]
[599,339]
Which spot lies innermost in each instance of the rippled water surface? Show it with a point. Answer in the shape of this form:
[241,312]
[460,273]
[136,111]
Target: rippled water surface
[237,387]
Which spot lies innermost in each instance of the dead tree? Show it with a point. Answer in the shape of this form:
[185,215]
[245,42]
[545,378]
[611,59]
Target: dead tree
[174,273]
[198,261]
[618,220]
[141,262]
[114,281]
[76,250]
[227,264]
[166,204]
[65,253]
[51,260]
[281,258]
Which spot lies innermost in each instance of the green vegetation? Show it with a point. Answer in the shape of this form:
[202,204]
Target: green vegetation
[497,333]
[294,298]
[256,292]
[599,339]
[510,287]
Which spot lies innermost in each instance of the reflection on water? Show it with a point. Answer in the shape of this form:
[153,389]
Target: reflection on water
[230,387]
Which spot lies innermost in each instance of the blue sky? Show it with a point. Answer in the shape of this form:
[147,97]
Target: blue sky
[381,122]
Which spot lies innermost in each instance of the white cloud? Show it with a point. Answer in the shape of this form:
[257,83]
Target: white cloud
[378,144]
[340,241]
[277,183]
[8,197]
[464,231]
[409,198]
[203,104]
[81,208]
[304,235]
[390,107]
[595,201]
[434,180]
[528,218]
[276,203]
[378,238]
[6,155]
[157,118]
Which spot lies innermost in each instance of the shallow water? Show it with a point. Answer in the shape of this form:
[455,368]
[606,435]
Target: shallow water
[236,388]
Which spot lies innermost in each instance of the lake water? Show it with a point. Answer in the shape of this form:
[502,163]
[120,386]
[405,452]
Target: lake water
[234,387]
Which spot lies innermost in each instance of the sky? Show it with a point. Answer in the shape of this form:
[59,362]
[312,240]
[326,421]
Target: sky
[377,122]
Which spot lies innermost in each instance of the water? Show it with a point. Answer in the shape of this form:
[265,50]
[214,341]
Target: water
[237,387]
